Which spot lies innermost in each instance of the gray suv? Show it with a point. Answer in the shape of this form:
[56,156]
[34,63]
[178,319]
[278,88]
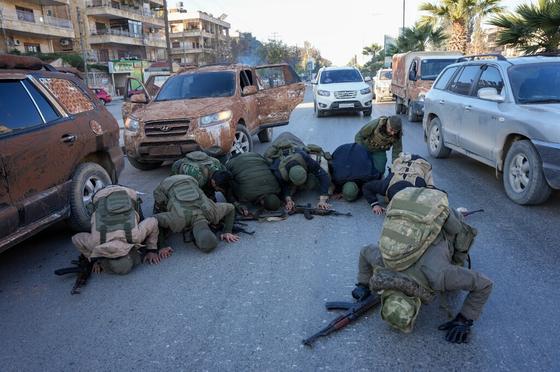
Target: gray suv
[504,113]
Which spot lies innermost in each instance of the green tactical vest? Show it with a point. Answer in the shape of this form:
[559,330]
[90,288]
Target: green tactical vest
[282,167]
[252,177]
[188,200]
[197,164]
[380,140]
[115,212]
[406,169]
[414,219]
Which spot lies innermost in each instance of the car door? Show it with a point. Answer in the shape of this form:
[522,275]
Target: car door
[44,145]
[249,98]
[154,83]
[280,91]
[481,118]
[459,90]
[439,103]
[133,86]
[8,213]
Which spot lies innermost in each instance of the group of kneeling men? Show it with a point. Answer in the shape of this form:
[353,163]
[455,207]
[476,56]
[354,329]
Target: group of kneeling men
[423,247]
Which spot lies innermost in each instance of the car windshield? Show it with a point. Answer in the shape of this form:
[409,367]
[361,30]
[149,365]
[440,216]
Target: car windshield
[340,76]
[432,67]
[536,82]
[198,85]
[386,75]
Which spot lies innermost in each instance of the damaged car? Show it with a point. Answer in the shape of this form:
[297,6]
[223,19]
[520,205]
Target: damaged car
[216,109]
[58,146]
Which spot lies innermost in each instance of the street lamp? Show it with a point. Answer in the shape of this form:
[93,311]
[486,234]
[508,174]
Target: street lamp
[403,14]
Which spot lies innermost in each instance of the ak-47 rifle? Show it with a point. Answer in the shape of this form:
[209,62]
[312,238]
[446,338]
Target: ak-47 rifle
[308,211]
[467,213]
[82,267]
[262,216]
[353,312]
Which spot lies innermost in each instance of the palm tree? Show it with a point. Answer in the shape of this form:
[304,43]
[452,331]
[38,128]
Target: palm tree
[418,38]
[460,16]
[533,28]
[372,50]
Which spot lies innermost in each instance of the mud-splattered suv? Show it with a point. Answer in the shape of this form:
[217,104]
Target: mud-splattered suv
[214,108]
[58,145]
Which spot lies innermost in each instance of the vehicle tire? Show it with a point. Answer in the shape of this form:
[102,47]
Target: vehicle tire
[243,141]
[88,178]
[265,135]
[367,113]
[523,176]
[144,165]
[412,117]
[320,113]
[436,146]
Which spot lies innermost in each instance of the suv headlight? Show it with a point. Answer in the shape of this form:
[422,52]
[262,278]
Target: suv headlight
[218,117]
[132,124]
[365,91]
[324,93]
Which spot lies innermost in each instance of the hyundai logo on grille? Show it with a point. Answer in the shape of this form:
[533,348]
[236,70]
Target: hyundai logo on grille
[165,128]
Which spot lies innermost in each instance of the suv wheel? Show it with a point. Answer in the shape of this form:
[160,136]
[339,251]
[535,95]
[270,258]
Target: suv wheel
[265,135]
[399,108]
[436,148]
[243,141]
[144,165]
[367,113]
[523,177]
[88,178]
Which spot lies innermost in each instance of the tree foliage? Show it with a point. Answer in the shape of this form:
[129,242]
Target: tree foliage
[460,17]
[419,38]
[532,28]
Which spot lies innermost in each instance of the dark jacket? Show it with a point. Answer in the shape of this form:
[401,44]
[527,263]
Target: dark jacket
[313,167]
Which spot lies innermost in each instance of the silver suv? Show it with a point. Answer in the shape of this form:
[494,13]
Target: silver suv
[504,113]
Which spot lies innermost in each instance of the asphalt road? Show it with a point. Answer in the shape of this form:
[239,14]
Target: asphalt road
[247,306]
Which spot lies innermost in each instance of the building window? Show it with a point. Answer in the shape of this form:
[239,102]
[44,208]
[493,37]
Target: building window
[32,47]
[25,14]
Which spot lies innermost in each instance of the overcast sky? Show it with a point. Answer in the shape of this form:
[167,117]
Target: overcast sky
[339,29]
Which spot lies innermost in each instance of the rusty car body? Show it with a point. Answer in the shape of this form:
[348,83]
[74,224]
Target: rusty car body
[58,145]
[214,108]
[413,76]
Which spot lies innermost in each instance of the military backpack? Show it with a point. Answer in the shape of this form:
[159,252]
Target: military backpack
[186,198]
[252,177]
[116,209]
[197,164]
[405,168]
[415,218]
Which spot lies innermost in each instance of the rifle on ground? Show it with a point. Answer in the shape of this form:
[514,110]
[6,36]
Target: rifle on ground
[308,211]
[353,312]
[467,213]
[82,267]
[263,216]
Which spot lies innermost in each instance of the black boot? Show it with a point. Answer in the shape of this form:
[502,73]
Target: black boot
[361,291]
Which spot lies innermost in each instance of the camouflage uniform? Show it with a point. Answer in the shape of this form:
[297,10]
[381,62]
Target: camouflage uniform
[179,216]
[434,271]
[374,137]
[201,167]
[116,245]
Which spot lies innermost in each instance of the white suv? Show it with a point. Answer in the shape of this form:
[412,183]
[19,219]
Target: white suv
[341,89]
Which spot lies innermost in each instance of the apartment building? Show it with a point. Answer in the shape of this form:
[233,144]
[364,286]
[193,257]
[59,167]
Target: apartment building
[198,37]
[43,26]
[125,29]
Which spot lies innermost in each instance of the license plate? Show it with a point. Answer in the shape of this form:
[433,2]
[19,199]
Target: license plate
[346,105]
[165,150]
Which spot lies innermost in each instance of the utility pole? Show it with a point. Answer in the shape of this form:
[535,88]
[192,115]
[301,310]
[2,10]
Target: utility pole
[167,40]
[403,14]
[82,44]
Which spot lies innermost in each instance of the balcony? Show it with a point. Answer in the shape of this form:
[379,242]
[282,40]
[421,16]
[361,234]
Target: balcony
[187,33]
[31,24]
[113,36]
[112,10]
[183,51]
[154,40]
[48,2]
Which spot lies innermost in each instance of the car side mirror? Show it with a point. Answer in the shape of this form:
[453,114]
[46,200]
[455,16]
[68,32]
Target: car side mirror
[367,79]
[412,75]
[249,90]
[139,98]
[490,94]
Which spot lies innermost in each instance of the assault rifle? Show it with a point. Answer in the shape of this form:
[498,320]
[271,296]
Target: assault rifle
[467,213]
[82,267]
[263,216]
[308,211]
[353,312]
